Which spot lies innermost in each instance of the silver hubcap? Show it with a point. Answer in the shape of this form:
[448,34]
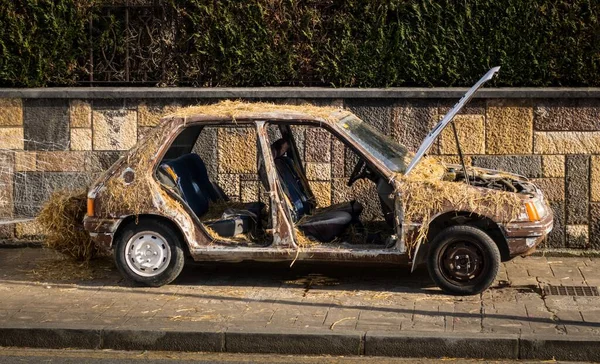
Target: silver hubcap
[148,254]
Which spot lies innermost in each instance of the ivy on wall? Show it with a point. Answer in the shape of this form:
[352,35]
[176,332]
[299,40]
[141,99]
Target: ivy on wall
[361,43]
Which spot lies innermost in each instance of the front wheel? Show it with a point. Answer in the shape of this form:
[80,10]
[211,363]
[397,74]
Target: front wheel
[149,253]
[463,260]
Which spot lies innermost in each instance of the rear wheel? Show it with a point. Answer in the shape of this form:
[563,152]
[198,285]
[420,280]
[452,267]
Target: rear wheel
[149,253]
[463,260]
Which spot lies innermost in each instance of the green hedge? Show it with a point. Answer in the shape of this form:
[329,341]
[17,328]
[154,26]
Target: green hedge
[41,42]
[364,43]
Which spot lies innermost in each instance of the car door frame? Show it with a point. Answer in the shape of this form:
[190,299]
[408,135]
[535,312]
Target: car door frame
[201,239]
[372,162]
[284,247]
[283,230]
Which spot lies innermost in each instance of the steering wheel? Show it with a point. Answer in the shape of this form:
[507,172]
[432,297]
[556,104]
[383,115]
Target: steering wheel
[360,171]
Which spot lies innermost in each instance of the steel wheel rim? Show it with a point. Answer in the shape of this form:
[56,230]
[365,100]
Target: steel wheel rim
[462,262]
[147,254]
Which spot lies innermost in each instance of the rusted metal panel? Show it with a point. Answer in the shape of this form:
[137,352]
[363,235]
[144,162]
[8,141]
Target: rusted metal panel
[103,241]
[523,238]
[530,229]
[282,225]
[101,230]
[323,254]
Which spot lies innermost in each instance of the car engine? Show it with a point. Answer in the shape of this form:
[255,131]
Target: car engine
[491,179]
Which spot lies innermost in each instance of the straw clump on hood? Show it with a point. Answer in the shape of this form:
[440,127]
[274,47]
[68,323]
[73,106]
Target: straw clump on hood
[425,193]
[62,220]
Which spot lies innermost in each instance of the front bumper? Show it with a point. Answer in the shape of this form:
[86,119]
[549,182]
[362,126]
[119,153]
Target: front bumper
[101,230]
[523,237]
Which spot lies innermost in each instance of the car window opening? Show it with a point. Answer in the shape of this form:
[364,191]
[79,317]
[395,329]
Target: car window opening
[325,210]
[220,183]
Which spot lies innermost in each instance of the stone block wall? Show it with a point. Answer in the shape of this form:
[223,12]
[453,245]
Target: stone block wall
[55,143]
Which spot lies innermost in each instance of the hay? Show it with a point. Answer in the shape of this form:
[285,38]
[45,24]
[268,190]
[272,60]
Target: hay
[425,193]
[215,212]
[428,169]
[233,109]
[302,240]
[216,209]
[123,199]
[372,232]
[238,239]
[65,269]
[312,280]
[214,236]
[62,221]
[133,198]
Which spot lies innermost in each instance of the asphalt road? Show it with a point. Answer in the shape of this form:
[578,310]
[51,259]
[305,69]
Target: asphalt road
[41,356]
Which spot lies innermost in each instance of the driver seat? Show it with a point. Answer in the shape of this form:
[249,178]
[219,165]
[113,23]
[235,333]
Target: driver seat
[321,224]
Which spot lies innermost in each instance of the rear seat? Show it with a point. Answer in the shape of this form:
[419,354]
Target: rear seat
[199,192]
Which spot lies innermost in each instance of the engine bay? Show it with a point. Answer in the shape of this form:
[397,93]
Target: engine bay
[490,179]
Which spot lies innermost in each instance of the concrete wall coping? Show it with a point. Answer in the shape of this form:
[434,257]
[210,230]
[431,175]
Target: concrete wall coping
[293,92]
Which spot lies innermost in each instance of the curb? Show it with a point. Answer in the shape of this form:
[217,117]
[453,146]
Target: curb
[318,342]
[430,344]
[546,347]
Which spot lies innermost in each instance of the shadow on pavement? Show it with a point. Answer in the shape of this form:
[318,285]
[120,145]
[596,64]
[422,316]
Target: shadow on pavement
[47,266]
[309,276]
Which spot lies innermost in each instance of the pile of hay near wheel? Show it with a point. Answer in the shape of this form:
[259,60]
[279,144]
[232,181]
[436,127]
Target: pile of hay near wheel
[62,221]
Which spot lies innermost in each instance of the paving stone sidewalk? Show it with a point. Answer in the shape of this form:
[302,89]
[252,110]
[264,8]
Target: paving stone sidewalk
[38,287]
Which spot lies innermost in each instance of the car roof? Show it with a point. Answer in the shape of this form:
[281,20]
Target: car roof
[238,111]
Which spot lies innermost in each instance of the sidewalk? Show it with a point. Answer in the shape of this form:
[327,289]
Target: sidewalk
[313,309]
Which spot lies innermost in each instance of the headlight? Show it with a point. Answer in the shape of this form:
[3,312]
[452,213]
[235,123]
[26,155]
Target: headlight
[541,208]
[535,210]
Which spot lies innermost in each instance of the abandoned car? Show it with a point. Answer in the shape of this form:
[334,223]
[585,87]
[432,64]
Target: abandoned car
[161,203]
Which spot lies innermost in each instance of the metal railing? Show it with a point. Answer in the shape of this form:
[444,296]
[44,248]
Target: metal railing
[131,42]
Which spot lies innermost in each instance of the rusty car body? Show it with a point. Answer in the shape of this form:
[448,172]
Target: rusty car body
[157,204]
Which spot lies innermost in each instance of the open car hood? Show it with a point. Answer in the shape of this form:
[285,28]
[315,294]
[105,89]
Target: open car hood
[433,134]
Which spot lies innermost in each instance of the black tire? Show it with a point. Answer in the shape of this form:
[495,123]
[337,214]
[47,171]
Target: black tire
[469,246]
[170,268]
